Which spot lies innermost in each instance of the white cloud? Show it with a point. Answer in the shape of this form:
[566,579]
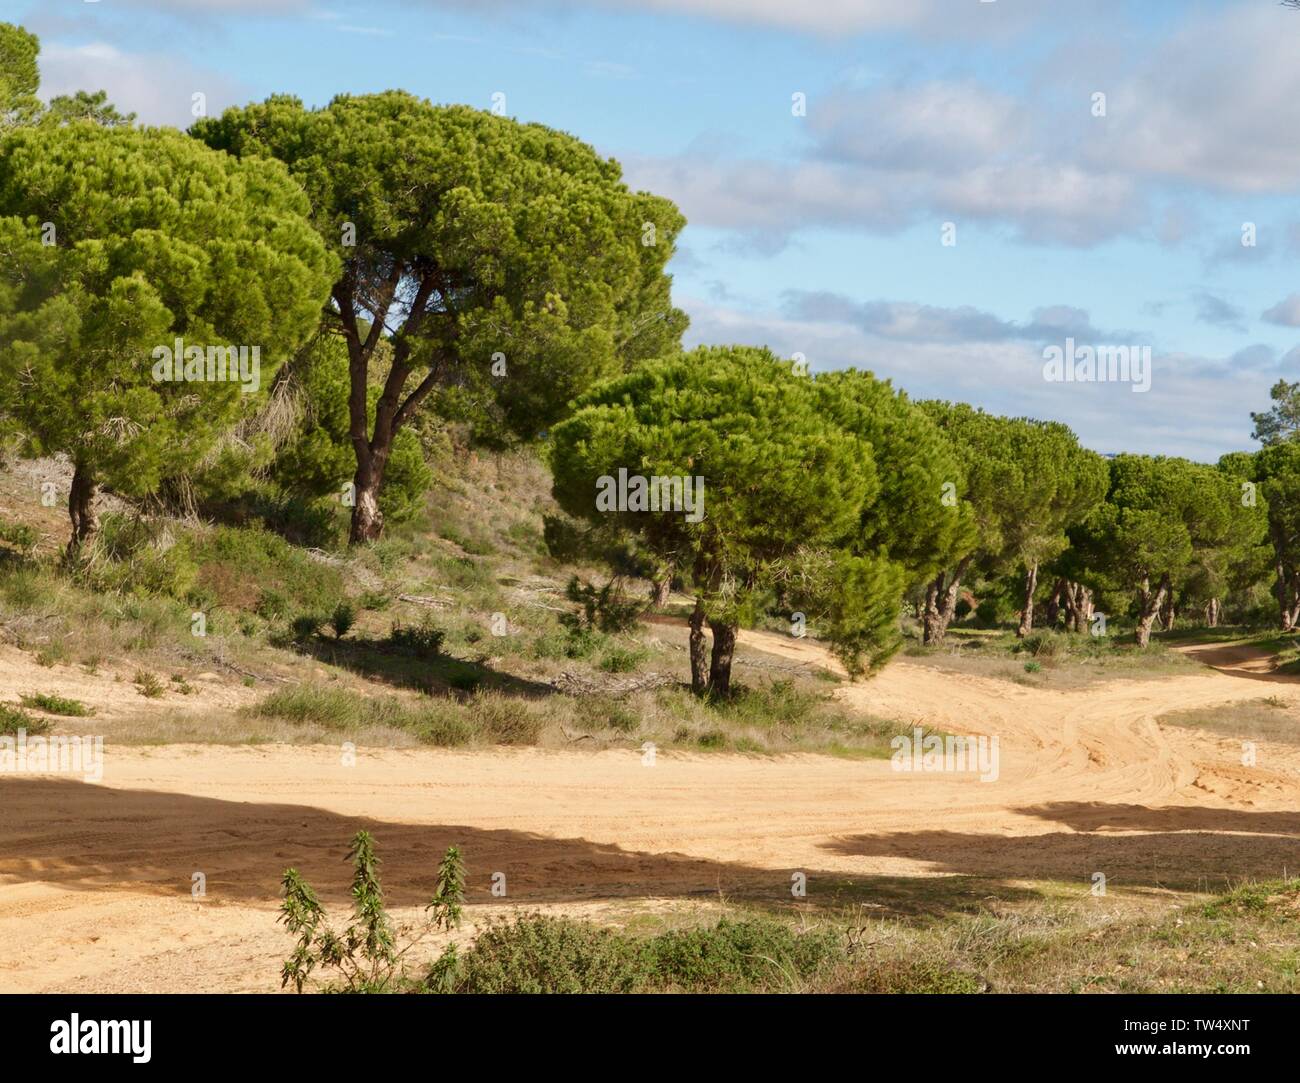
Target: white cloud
[1213,102]
[159,87]
[1198,407]
[1286,313]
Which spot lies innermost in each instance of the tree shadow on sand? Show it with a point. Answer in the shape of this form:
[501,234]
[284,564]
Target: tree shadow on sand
[1171,847]
[93,838]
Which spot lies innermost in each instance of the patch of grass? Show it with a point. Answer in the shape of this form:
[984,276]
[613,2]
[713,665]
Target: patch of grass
[486,717]
[13,719]
[1055,658]
[622,659]
[540,954]
[54,704]
[1268,719]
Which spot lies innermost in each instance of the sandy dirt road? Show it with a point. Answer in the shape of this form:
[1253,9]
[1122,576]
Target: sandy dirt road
[95,879]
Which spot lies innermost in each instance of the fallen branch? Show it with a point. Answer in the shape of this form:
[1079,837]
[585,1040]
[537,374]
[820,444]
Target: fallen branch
[574,684]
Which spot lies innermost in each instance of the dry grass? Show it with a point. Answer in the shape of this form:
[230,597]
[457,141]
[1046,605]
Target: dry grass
[1049,659]
[1273,718]
[1241,941]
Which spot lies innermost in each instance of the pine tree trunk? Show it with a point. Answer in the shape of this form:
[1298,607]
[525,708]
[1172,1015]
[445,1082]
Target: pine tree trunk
[930,632]
[1054,602]
[724,649]
[661,589]
[81,510]
[1286,598]
[367,519]
[1027,610]
[1149,605]
[1078,607]
[699,651]
[941,603]
[1212,613]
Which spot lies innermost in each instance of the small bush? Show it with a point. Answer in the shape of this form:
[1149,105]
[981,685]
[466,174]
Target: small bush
[13,719]
[540,954]
[536,954]
[343,618]
[1043,645]
[423,641]
[600,608]
[148,684]
[20,538]
[622,659]
[505,721]
[60,705]
[741,956]
[305,626]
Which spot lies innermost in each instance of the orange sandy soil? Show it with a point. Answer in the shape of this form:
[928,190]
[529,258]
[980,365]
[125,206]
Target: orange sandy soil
[95,879]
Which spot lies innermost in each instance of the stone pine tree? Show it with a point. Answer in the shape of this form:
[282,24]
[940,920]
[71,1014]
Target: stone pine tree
[1276,472]
[916,518]
[20,79]
[19,76]
[1023,481]
[1281,421]
[1050,483]
[783,488]
[505,263]
[117,245]
[1160,516]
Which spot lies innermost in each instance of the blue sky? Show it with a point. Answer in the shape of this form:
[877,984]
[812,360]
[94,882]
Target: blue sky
[821,234]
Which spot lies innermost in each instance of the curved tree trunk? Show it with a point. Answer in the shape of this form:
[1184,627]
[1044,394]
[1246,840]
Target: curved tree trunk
[1150,602]
[941,603]
[724,649]
[1078,607]
[81,509]
[1027,608]
[1288,597]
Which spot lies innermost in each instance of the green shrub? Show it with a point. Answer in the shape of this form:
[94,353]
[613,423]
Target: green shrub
[741,956]
[20,538]
[423,640]
[148,684]
[251,568]
[622,659]
[537,954]
[600,608]
[1043,645]
[133,556]
[541,954]
[60,705]
[13,719]
[506,721]
[343,618]
[306,625]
